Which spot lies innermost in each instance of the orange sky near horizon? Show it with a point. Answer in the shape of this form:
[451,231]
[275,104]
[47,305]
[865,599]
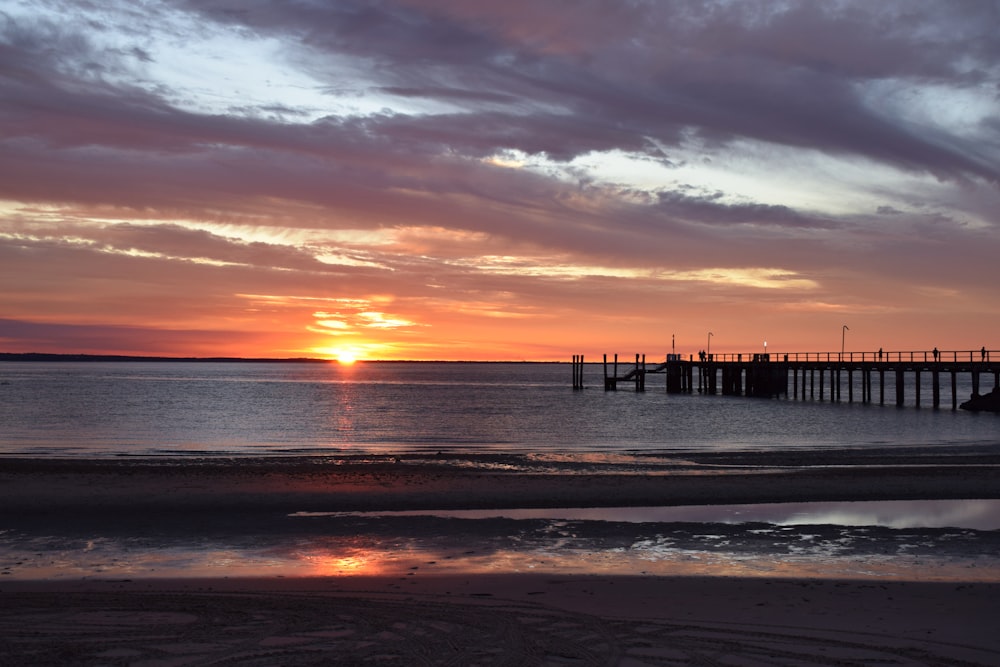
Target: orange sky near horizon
[434,179]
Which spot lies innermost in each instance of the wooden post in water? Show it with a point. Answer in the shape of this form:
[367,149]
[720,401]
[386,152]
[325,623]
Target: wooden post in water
[850,384]
[610,383]
[881,386]
[900,376]
[935,387]
[954,389]
[916,378]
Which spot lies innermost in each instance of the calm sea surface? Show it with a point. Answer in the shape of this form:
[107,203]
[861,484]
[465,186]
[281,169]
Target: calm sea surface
[90,409]
[156,408]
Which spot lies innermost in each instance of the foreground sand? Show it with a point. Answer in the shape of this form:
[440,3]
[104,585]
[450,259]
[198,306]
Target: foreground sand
[500,620]
[544,618]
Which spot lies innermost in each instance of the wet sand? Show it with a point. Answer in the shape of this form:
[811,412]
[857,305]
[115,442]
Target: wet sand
[317,484]
[521,618]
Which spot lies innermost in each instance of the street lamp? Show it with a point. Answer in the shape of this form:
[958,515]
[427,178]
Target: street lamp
[708,349]
[843,334]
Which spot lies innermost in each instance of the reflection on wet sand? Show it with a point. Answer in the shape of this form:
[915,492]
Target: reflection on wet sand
[655,558]
[734,542]
[980,514]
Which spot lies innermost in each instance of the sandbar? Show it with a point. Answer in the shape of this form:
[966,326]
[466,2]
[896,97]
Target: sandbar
[320,484]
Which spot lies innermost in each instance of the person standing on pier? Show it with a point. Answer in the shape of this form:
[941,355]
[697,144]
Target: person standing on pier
[935,353]
[982,353]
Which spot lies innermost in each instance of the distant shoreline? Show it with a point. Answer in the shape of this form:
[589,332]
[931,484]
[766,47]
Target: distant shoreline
[49,357]
[44,356]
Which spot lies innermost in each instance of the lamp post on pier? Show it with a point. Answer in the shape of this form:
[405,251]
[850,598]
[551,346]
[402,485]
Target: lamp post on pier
[843,336]
[708,349]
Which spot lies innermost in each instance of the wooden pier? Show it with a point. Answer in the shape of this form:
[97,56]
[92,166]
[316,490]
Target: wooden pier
[810,375]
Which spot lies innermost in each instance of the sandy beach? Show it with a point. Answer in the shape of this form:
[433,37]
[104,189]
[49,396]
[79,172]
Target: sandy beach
[500,620]
[426,615]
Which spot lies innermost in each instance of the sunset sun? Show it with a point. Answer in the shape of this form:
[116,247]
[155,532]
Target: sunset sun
[342,355]
[345,356]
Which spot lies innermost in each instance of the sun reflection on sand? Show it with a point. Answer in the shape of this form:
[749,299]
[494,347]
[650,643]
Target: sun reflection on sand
[653,557]
[337,564]
[540,541]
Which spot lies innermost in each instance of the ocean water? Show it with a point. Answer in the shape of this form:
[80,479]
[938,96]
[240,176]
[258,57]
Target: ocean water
[102,409]
[96,409]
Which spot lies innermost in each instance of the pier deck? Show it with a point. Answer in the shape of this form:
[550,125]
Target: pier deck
[810,375]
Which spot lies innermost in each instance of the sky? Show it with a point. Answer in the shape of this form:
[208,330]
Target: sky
[517,180]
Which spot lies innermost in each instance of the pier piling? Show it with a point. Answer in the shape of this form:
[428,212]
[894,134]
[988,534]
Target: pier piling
[577,371]
[767,375]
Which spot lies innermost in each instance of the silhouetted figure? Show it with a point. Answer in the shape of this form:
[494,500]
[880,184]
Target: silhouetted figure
[982,353]
[935,353]
[880,354]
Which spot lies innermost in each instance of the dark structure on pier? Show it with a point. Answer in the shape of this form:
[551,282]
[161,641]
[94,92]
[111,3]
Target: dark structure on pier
[811,376]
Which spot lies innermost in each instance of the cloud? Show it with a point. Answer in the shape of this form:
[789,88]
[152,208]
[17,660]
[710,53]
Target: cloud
[789,74]
[28,336]
[513,158]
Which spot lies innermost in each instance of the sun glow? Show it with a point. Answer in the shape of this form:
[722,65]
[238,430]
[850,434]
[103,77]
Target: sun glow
[345,356]
[342,355]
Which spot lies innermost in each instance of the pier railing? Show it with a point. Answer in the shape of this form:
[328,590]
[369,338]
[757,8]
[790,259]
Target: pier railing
[886,356]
